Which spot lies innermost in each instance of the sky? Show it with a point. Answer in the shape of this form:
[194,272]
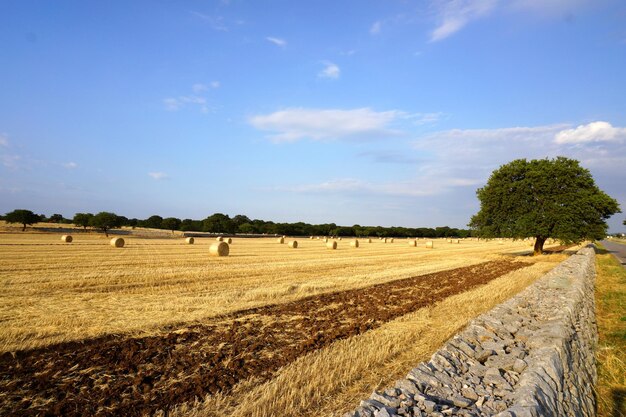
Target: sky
[370,112]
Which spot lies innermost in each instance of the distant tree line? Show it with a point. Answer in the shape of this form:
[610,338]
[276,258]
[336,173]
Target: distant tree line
[222,223]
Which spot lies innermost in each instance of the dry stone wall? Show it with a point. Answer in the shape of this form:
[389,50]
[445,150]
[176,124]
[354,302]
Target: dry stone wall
[533,355]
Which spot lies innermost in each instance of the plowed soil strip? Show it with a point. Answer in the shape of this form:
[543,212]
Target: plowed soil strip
[136,376]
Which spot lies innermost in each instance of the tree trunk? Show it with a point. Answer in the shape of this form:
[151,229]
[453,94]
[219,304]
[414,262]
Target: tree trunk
[538,250]
[24,227]
[106,232]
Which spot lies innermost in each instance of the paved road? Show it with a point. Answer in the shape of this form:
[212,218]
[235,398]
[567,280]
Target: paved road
[617,249]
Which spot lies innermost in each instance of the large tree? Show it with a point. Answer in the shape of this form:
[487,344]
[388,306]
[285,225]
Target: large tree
[82,219]
[170,223]
[544,198]
[24,217]
[106,221]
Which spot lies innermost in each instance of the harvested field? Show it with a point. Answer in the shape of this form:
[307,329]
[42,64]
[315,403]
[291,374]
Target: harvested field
[159,325]
[133,376]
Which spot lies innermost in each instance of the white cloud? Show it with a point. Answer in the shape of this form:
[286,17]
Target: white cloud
[70,165]
[158,175]
[330,71]
[215,84]
[454,15]
[176,103]
[592,132]
[326,124]
[277,41]
[4,139]
[376,27]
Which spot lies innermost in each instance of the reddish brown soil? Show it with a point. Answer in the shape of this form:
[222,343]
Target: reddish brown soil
[117,375]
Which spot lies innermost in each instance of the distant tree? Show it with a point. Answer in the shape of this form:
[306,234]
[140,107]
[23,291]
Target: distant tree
[219,223]
[153,222]
[132,222]
[82,219]
[171,223]
[240,219]
[543,199]
[246,228]
[24,217]
[56,218]
[105,221]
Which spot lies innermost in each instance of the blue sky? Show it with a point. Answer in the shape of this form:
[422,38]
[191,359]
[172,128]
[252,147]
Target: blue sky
[353,112]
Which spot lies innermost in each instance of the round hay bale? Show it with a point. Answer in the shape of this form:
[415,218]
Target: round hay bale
[318,238]
[369,240]
[412,242]
[354,243]
[66,238]
[219,249]
[117,242]
[190,240]
[229,241]
[331,245]
[457,241]
[293,244]
[338,238]
[391,240]
[311,238]
[325,240]
[429,244]
[219,239]
[281,240]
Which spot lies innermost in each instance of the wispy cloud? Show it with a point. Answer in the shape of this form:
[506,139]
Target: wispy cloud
[592,132]
[454,15]
[4,140]
[277,41]
[294,124]
[411,188]
[197,99]
[375,28]
[215,22]
[330,71]
[158,175]
[70,165]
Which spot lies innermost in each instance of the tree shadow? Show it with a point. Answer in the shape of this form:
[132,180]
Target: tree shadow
[619,402]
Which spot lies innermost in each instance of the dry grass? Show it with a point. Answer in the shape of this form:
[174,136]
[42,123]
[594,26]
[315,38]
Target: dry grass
[53,292]
[611,319]
[332,381]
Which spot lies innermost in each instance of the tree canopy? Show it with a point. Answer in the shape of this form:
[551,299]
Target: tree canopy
[544,198]
[106,221]
[82,219]
[24,217]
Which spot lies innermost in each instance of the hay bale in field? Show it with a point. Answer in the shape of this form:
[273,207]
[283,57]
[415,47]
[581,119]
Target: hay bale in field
[318,238]
[325,240]
[430,244]
[229,241]
[190,240]
[293,244]
[117,242]
[331,245]
[338,238]
[219,239]
[67,238]
[281,240]
[391,240]
[219,249]
[354,243]
[413,243]
[384,240]
[312,237]
[457,241]
[369,240]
